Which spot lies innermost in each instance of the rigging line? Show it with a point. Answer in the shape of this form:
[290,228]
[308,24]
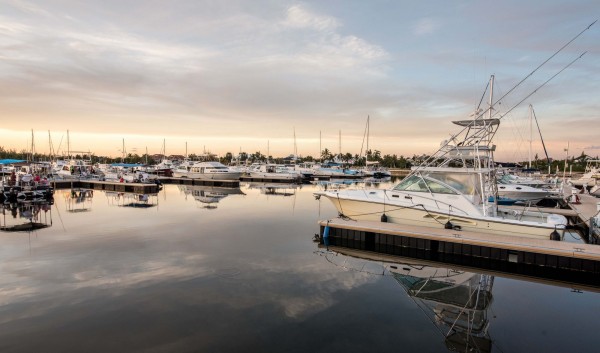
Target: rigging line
[542,64]
[363,141]
[540,131]
[543,84]
[483,95]
[507,93]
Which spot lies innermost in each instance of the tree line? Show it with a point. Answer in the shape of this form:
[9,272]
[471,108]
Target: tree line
[576,164]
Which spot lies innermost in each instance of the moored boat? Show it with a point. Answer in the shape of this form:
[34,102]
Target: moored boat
[451,189]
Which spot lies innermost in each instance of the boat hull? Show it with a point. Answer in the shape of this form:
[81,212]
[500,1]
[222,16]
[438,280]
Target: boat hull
[209,176]
[414,215]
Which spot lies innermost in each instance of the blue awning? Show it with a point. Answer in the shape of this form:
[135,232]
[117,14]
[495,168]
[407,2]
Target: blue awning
[11,161]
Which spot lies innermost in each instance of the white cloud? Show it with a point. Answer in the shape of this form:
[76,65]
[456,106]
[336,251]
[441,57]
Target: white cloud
[426,26]
[299,17]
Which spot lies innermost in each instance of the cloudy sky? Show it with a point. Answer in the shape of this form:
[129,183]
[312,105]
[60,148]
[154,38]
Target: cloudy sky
[231,75]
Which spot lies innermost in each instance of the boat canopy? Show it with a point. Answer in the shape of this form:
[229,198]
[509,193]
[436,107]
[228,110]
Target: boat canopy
[478,122]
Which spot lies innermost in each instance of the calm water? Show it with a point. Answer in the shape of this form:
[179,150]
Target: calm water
[189,274]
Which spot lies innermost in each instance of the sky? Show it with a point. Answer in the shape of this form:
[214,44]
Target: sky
[230,76]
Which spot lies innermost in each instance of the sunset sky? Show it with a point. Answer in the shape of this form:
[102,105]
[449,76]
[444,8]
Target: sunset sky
[226,76]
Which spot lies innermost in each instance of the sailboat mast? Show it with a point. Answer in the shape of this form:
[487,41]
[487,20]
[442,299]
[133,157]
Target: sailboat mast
[368,127]
[68,146]
[340,143]
[320,150]
[50,147]
[32,146]
[295,145]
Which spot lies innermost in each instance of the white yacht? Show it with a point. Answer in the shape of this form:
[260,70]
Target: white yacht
[591,175]
[206,170]
[272,172]
[451,189]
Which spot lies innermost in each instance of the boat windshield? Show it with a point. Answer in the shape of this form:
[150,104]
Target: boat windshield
[441,183]
[419,184]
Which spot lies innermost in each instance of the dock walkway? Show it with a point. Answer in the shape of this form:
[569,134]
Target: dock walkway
[395,239]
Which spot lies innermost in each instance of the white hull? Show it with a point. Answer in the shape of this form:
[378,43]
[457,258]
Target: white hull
[208,176]
[415,215]
[525,195]
[275,176]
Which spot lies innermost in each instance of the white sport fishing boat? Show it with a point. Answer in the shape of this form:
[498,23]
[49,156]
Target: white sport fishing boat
[454,188]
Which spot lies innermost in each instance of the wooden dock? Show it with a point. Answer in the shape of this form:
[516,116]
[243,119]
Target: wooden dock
[586,209]
[138,188]
[269,180]
[440,243]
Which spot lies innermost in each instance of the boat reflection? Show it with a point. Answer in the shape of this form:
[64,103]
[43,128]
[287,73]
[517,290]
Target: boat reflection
[208,196]
[78,200]
[25,216]
[454,300]
[281,189]
[131,199]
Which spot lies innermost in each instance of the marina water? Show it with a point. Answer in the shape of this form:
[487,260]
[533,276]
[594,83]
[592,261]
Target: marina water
[199,269]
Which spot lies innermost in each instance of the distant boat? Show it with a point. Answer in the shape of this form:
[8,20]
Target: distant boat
[591,175]
[207,170]
[272,172]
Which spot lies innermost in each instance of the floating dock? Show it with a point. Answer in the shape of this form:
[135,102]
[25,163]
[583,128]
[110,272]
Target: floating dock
[586,209]
[201,182]
[444,245]
[269,180]
[138,188]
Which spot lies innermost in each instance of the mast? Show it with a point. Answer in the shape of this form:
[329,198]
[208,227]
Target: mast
[340,143]
[32,146]
[123,152]
[68,146]
[530,132]
[50,147]
[295,146]
[320,151]
[491,102]
[368,127]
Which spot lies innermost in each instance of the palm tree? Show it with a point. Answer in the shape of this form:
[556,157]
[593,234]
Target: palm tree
[326,154]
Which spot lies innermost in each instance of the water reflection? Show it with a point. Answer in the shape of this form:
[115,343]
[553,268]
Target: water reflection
[208,196]
[78,200]
[130,199]
[24,216]
[455,301]
[280,189]
[179,279]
